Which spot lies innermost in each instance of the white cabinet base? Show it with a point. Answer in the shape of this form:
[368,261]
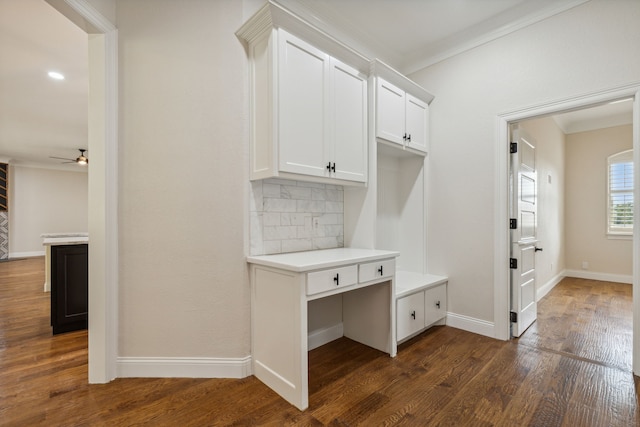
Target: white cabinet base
[421,302]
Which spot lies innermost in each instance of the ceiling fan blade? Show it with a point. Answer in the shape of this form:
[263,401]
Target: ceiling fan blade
[62,158]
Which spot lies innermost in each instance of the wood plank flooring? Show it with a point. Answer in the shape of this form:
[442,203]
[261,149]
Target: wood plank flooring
[571,368]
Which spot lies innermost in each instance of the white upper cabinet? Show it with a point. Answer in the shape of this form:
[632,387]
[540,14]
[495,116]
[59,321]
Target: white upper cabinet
[303,110]
[390,112]
[308,109]
[400,117]
[322,113]
[347,145]
[402,110]
[417,120]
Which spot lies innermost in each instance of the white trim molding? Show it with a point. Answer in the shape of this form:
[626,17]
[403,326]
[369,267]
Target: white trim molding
[543,290]
[103,183]
[25,254]
[470,324]
[324,336]
[605,277]
[184,367]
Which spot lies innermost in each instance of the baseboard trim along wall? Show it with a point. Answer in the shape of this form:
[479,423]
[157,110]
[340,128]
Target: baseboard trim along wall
[471,324]
[183,367]
[25,254]
[323,336]
[606,277]
[546,288]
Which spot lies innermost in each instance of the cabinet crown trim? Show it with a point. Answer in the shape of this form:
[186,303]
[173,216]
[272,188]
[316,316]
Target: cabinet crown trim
[273,15]
[379,68]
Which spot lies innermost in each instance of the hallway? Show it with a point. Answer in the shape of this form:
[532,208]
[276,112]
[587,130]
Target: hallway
[564,371]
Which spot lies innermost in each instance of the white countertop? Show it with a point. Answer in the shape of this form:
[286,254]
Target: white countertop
[54,235]
[55,239]
[408,282]
[324,258]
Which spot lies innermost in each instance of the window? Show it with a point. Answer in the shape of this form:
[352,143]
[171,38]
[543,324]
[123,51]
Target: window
[620,197]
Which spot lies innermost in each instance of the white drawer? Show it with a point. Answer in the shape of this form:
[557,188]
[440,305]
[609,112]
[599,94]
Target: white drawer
[326,280]
[435,304]
[410,315]
[376,270]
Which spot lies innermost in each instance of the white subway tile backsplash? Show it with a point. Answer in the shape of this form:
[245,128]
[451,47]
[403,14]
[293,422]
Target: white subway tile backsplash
[292,216]
[297,245]
[271,247]
[271,190]
[313,206]
[271,219]
[280,232]
[298,193]
[334,207]
[279,205]
[255,197]
[325,243]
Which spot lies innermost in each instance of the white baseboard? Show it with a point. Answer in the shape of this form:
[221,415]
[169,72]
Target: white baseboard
[546,288]
[592,275]
[183,367]
[25,254]
[323,336]
[470,324]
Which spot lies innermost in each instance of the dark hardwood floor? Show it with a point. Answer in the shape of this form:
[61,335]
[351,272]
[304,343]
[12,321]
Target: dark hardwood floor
[571,368]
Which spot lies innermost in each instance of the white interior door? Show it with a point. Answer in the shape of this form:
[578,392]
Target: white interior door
[523,224]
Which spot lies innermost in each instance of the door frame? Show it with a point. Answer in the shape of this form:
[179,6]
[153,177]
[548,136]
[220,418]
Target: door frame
[102,184]
[501,200]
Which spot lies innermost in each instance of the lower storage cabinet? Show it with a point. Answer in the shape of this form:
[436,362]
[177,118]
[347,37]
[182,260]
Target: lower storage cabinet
[419,308]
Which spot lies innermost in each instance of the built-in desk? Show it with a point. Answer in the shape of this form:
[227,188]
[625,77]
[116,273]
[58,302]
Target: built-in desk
[281,287]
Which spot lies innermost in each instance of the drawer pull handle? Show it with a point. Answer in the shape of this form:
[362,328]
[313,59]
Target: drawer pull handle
[413,314]
[438,304]
[337,279]
[380,270]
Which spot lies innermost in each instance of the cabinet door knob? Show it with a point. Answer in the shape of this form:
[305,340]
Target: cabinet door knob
[409,138]
[413,314]
[438,304]
[404,137]
[380,271]
[337,279]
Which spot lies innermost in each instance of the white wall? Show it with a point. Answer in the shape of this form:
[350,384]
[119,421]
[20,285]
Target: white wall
[587,154]
[184,288]
[44,201]
[586,49]
[550,165]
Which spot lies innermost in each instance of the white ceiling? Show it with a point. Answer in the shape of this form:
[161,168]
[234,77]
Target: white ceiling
[41,117]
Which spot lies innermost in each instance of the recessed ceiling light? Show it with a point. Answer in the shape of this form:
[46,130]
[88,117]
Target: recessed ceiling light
[55,75]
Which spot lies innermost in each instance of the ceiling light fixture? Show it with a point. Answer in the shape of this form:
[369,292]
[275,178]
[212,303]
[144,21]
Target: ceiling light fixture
[55,75]
[82,160]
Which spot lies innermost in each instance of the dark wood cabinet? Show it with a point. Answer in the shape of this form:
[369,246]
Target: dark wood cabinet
[69,287]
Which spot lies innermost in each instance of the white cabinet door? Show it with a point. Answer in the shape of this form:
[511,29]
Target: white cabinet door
[302,111]
[417,123]
[435,304]
[390,112]
[410,315]
[347,149]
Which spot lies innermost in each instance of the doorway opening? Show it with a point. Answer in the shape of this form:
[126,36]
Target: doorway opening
[502,249]
[102,183]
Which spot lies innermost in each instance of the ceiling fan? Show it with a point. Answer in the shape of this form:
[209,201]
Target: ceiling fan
[81,159]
